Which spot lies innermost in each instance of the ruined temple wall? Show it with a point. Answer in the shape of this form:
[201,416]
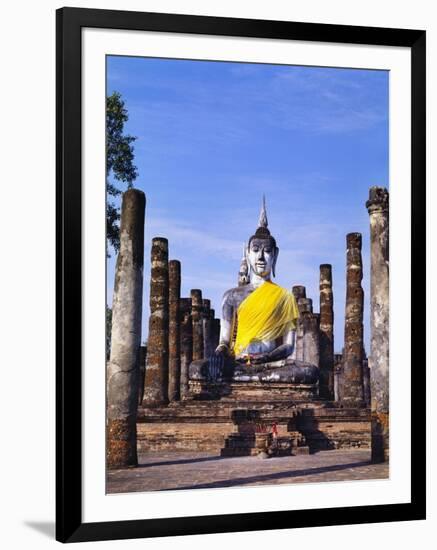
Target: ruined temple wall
[187,436]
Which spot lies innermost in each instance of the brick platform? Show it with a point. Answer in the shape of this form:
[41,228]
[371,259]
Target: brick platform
[204,426]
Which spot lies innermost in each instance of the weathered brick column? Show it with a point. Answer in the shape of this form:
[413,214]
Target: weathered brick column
[143,356]
[174,360]
[212,341]
[352,378]
[206,327]
[156,384]
[186,343]
[338,375]
[305,307]
[310,324]
[196,315]
[299,292]
[366,381]
[378,207]
[216,333]
[123,365]
[326,383]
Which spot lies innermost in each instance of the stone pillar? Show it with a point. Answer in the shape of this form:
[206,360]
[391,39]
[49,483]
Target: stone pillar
[212,344]
[378,207]
[366,382]
[207,328]
[338,371]
[310,325]
[143,356]
[186,343]
[123,365]
[326,383]
[156,384]
[196,315]
[216,334]
[352,380]
[299,292]
[174,339]
[305,306]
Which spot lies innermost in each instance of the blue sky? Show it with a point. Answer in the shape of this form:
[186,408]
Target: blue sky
[214,136]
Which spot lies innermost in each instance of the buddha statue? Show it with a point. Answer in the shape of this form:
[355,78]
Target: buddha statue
[258,324]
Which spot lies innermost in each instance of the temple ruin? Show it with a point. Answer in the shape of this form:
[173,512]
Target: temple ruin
[190,400]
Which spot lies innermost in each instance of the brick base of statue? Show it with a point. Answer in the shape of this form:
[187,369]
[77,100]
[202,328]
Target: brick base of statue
[205,426]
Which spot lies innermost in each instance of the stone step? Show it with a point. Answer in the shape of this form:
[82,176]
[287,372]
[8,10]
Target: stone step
[241,451]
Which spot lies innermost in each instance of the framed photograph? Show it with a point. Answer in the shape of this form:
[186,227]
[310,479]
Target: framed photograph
[240,229]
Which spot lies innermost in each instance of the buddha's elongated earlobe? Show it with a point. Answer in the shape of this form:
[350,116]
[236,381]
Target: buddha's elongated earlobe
[249,268]
[274,261]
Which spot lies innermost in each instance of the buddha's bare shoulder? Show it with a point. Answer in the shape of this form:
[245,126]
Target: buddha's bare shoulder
[234,296]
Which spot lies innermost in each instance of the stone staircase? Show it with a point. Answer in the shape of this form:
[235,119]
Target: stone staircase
[252,437]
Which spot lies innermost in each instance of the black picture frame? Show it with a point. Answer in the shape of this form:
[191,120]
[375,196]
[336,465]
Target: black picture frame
[69,525]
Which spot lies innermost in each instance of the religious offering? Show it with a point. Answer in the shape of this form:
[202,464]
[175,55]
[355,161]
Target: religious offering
[247,274]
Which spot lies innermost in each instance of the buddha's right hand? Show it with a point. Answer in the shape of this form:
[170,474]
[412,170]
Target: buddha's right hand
[217,362]
[216,365]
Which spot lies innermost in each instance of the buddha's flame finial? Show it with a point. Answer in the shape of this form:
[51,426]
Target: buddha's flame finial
[262,222]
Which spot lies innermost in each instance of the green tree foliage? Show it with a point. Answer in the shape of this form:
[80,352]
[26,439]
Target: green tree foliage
[119,163]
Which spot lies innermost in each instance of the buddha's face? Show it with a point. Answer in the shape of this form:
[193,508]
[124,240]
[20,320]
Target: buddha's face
[261,256]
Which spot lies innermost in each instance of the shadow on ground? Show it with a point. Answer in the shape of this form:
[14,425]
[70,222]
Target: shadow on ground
[274,476]
[181,461]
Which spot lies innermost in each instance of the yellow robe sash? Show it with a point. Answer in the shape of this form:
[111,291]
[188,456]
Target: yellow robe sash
[266,314]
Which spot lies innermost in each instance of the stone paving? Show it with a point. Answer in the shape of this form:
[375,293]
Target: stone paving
[167,471]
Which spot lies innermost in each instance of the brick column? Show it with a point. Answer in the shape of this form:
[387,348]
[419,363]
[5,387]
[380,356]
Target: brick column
[352,379]
[156,385]
[299,292]
[326,384]
[216,333]
[196,315]
[207,328]
[143,356]
[310,324]
[174,360]
[186,343]
[305,307]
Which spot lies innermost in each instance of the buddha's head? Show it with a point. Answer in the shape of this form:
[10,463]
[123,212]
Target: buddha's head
[262,251]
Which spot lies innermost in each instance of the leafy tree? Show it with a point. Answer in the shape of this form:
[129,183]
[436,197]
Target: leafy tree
[119,163]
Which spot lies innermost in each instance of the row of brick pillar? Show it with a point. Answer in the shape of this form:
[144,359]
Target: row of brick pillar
[362,381]
[184,329]
[181,330]
[193,333]
[351,378]
[345,379]
[315,331]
